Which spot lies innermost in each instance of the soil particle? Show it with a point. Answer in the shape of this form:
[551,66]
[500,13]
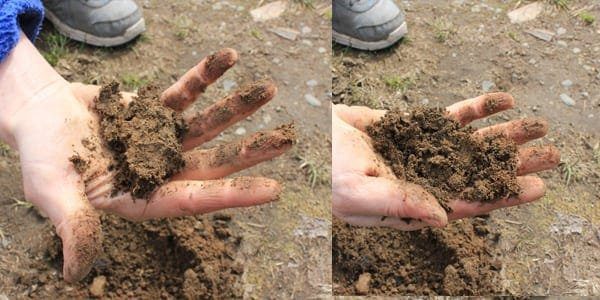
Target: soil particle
[455,260]
[97,286]
[81,165]
[144,137]
[428,148]
[362,284]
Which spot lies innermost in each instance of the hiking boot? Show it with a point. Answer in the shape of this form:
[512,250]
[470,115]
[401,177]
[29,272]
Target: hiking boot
[103,23]
[367,24]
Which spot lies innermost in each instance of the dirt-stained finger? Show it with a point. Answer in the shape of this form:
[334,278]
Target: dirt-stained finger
[535,159]
[204,125]
[358,116]
[532,188]
[218,162]
[520,131]
[185,91]
[469,110]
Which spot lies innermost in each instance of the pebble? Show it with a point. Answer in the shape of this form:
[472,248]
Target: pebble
[561,31]
[567,83]
[590,116]
[266,119]
[228,85]
[425,101]
[97,286]
[305,30]
[576,50]
[562,44]
[311,83]
[322,50]
[363,284]
[487,85]
[566,99]
[240,131]
[532,61]
[312,100]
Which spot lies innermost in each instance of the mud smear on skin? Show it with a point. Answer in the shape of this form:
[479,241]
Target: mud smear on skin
[144,138]
[428,148]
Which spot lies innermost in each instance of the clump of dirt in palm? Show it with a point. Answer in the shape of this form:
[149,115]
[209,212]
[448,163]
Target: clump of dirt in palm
[144,137]
[457,260]
[430,149]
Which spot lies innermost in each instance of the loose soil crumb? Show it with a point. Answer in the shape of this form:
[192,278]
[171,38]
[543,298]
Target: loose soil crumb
[456,260]
[430,149]
[144,137]
[80,164]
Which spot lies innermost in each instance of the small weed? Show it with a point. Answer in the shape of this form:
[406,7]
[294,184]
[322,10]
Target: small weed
[314,173]
[133,81]
[597,153]
[306,3]
[183,27]
[562,4]
[442,30]
[570,171]
[328,14]
[21,203]
[57,47]
[399,83]
[513,36]
[587,17]
[256,34]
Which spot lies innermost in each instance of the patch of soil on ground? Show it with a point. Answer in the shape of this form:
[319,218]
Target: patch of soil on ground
[189,257]
[144,137]
[428,148]
[455,260]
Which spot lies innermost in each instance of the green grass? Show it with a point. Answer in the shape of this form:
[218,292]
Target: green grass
[183,27]
[513,36]
[562,4]
[328,15]
[570,170]
[399,83]
[133,81]
[313,171]
[257,34]
[56,47]
[442,30]
[587,17]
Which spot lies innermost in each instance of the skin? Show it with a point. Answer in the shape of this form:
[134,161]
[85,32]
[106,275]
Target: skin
[45,118]
[367,193]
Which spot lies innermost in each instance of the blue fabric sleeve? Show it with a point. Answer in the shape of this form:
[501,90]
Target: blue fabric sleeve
[16,15]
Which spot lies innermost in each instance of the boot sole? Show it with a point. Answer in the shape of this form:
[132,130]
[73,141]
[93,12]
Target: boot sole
[132,32]
[392,38]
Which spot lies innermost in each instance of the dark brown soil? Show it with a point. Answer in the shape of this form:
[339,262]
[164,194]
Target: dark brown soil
[430,149]
[144,137]
[456,260]
[183,258]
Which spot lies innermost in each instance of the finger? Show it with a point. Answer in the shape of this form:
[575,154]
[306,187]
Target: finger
[76,221]
[532,188]
[520,131]
[208,123]
[185,198]
[193,83]
[358,116]
[204,164]
[535,159]
[405,224]
[476,108]
[376,196]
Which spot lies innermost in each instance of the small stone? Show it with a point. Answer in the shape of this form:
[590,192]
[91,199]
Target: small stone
[322,50]
[475,9]
[268,11]
[566,99]
[286,33]
[487,85]
[576,50]
[363,284]
[561,31]
[532,61]
[590,116]
[228,85]
[305,30]
[526,13]
[425,101]
[562,44]
[567,83]
[312,100]
[541,34]
[240,131]
[97,286]
[311,83]
[585,94]
[266,119]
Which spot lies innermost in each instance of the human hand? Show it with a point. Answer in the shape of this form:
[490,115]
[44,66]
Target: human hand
[47,128]
[366,192]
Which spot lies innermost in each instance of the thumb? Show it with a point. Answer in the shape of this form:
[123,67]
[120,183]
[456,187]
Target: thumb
[77,224]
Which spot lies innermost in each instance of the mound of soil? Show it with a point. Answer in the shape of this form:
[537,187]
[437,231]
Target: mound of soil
[456,260]
[144,138]
[428,148]
[182,258]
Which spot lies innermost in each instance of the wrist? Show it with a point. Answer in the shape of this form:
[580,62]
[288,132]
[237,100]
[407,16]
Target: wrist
[25,77]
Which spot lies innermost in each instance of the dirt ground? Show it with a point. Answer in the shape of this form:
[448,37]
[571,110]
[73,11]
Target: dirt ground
[271,251]
[453,51]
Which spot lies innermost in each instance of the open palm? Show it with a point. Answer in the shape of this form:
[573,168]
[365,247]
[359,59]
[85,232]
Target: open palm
[367,193]
[64,117]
